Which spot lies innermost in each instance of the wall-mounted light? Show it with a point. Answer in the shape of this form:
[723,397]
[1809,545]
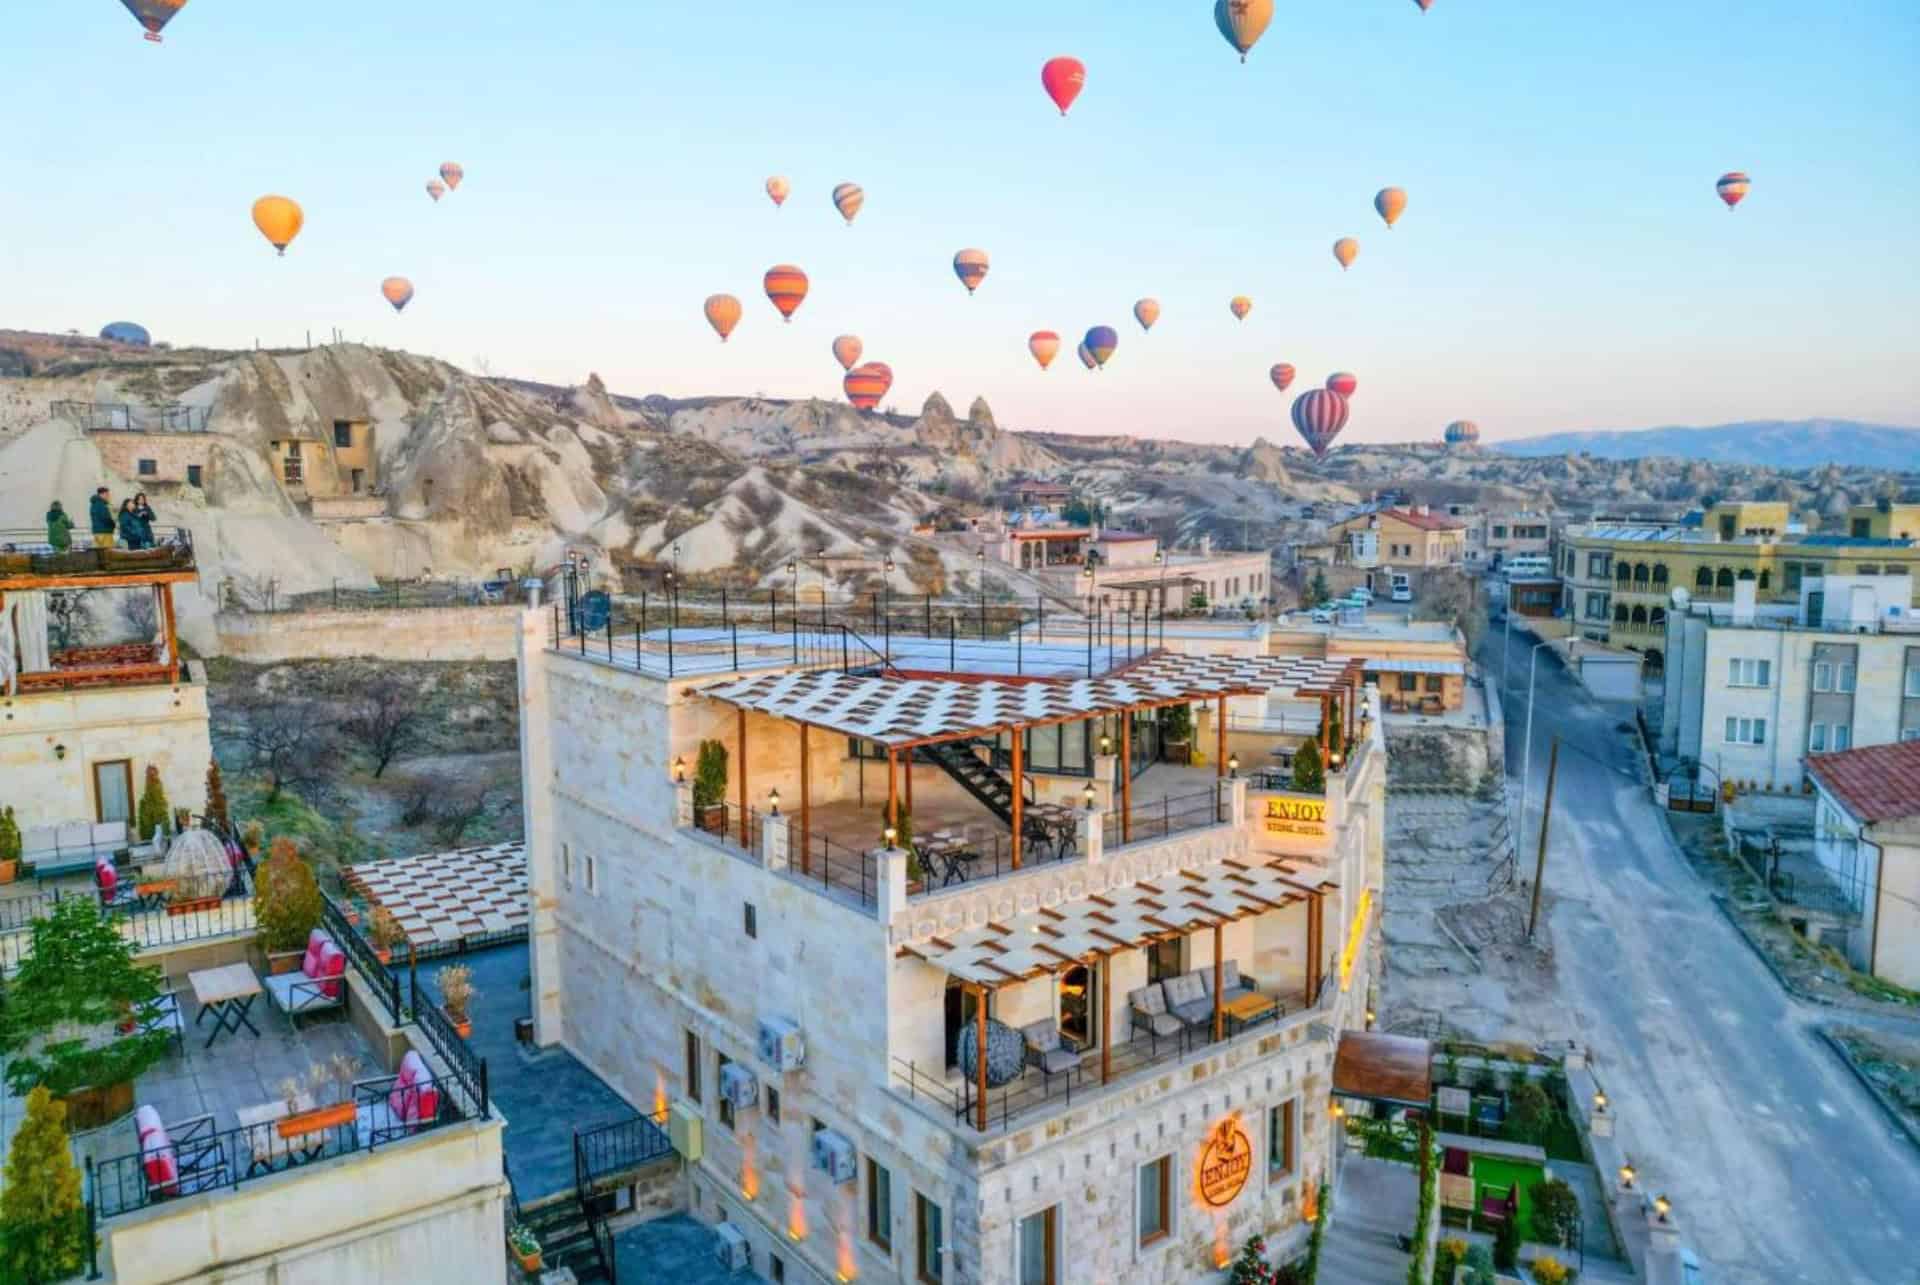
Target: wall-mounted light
[1369,1019]
[1599,1100]
[1106,743]
[679,769]
[889,566]
[59,750]
[792,567]
[1662,1206]
[1335,1110]
[773,802]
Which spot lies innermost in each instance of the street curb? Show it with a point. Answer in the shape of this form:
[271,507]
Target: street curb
[1726,912]
[1887,1104]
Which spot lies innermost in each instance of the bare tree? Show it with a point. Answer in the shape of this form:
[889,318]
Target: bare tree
[458,807]
[290,742]
[386,719]
[138,613]
[1453,596]
[70,621]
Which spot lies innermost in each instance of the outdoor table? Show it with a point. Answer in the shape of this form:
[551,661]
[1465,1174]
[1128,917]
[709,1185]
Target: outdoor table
[227,992]
[953,855]
[1248,1009]
[153,894]
[265,1141]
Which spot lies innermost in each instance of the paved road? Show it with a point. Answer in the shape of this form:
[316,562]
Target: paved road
[1780,1166]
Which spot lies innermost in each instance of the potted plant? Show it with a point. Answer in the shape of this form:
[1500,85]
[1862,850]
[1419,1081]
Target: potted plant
[253,837]
[456,993]
[286,905]
[43,1225]
[1176,734]
[9,845]
[329,1089]
[710,788]
[387,933]
[526,1247]
[217,816]
[1308,777]
[153,812]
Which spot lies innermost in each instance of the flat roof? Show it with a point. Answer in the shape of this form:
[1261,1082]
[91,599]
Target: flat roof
[1383,1068]
[1049,533]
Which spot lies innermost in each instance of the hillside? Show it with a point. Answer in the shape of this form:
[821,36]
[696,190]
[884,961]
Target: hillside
[1788,444]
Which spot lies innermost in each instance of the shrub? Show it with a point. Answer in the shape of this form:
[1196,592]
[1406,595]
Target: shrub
[1479,1264]
[1506,1245]
[153,812]
[457,990]
[10,848]
[286,902]
[1556,1211]
[710,775]
[218,818]
[1529,1113]
[1177,724]
[1308,777]
[60,1026]
[43,1229]
[1447,1257]
[387,932]
[1550,1271]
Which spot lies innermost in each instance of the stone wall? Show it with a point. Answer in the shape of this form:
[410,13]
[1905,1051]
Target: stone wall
[170,452]
[49,742]
[404,633]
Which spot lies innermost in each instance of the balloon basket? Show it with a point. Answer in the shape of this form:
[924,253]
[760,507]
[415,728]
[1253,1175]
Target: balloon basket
[154,36]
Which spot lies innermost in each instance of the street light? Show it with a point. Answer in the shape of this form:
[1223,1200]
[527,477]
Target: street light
[1526,764]
[980,574]
[793,574]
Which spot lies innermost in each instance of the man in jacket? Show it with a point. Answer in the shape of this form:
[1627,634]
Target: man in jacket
[100,515]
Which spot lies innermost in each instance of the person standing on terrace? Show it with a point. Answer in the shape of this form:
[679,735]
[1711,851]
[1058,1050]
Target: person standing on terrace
[100,516]
[59,528]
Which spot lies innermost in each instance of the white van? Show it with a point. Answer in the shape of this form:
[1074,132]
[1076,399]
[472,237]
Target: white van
[1527,566]
[1402,587]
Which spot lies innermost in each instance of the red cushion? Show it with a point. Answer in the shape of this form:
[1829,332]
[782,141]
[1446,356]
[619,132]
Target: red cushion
[333,962]
[106,876]
[146,1122]
[414,1097]
[310,963]
[163,1169]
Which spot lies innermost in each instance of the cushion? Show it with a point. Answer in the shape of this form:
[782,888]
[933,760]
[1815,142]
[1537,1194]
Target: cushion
[333,962]
[310,962]
[1042,1036]
[106,876]
[1184,989]
[37,839]
[74,836]
[420,1099]
[1148,999]
[109,834]
[146,1122]
[1229,976]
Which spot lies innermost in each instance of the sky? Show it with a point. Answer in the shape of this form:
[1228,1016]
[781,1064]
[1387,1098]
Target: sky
[1563,262]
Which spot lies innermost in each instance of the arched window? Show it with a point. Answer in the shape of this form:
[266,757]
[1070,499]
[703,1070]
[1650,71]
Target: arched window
[1724,580]
[1659,575]
[1619,613]
[1766,580]
[1703,578]
[1622,572]
[1655,662]
[1639,616]
[1657,618]
[1640,573]
[1747,574]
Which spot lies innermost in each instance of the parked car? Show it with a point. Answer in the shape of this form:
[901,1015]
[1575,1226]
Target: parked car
[1322,615]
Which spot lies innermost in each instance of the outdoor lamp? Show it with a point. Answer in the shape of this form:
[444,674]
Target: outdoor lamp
[889,566]
[890,834]
[792,567]
[1106,744]
[773,801]
[1335,1110]
[1626,1177]
[679,769]
[1088,795]
[1233,765]
[60,750]
[1369,1019]
[1662,1206]
[1599,1100]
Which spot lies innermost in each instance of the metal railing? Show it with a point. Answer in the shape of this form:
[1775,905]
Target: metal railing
[149,922]
[1171,816]
[833,866]
[609,1150]
[171,550]
[379,978]
[1301,724]
[469,1069]
[125,417]
[265,597]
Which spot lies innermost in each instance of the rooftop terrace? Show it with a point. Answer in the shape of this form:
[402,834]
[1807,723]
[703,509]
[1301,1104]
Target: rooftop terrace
[27,561]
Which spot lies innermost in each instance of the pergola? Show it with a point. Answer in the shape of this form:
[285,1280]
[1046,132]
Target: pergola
[1041,942]
[1328,680]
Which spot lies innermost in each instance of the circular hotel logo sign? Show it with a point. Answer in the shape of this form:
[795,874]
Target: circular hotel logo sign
[1225,1162]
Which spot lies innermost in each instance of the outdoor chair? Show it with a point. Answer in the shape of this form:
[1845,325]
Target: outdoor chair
[1049,1050]
[1148,1006]
[179,1159]
[1233,984]
[320,983]
[1187,999]
[168,1018]
[396,1105]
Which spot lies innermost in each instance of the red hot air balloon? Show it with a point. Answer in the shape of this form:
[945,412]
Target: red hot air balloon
[1343,383]
[154,14]
[1063,78]
[786,286]
[1733,187]
[866,385]
[847,350]
[1281,375]
[1043,344]
[1319,414]
[1100,343]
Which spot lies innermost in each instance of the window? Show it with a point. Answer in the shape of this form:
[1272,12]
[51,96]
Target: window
[566,865]
[1434,683]
[1910,733]
[1640,574]
[1409,682]
[1822,676]
[1619,613]
[1596,606]
[1659,575]
[1703,578]
[593,874]
[193,475]
[1748,673]
[1766,580]
[358,479]
[1039,1246]
[1843,677]
[779,1269]
[1499,532]
[770,1103]
[1842,736]
[1861,528]
[1724,578]
[1913,680]
[1597,566]
[748,920]
[1747,731]
[1156,1214]
[1867,569]
[1792,572]
[1280,1139]
[1163,957]
[113,790]
[290,466]
[1817,738]
[693,1067]
[342,434]
[879,1204]
[1746,574]
[929,1247]
[720,1063]
[148,468]
[1623,573]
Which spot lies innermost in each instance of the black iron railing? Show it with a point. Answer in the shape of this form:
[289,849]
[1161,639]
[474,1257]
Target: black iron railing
[609,1150]
[1170,816]
[149,921]
[834,865]
[171,550]
[379,977]
[125,417]
[469,1069]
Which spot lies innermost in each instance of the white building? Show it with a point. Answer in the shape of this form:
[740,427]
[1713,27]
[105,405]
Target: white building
[803,999]
[1867,838]
[1130,571]
[1752,690]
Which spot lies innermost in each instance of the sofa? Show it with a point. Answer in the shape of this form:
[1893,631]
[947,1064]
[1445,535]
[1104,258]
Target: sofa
[72,847]
[1233,985]
[411,1102]
[319,983]
[1188,1000]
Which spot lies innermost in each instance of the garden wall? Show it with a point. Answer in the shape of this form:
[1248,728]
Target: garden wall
[401,633]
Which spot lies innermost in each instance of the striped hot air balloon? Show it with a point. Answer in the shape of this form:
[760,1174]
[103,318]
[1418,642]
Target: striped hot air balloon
[436,189]
[786,286]
[1043,344]
[848,198]
[1086,358]
[866,385]
[847,350]
[1346,249]
[1240,307]
[279,220]
[397,291]
[1146,312]
[1390,201]
[971,267]
[1462,432]
[453,174]
[154,14]
[1281,375]
[1343,383]
[1318,415]
[1100,342]
[1242,22]
[723,314]
[1733,187]
[1063,78]
[1424,5]
[777,189]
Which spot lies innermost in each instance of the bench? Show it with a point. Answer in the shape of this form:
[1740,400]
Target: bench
[318,985]
[75,847]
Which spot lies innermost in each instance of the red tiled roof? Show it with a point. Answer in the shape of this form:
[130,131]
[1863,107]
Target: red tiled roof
[1424,521]
[1877,783]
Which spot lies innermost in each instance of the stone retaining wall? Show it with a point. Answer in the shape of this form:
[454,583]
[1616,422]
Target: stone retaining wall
[403,633]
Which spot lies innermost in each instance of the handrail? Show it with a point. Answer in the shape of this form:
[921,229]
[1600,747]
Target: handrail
[378,977]
[469,1069]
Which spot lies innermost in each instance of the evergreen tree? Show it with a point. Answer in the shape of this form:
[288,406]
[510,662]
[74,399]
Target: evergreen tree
[153,813]
[217,817]
[286,899]
[43,1229]
[9,835]
[1318,591]
[1308,777]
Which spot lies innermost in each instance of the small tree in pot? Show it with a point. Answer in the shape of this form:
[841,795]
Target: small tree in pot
[43,1228]
[1176,734]
[286,904]
[456,994]
[710,788]
[1308,778]
[9,846]
[153,813]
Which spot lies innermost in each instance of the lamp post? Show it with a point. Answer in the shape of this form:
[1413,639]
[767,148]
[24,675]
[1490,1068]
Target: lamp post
[1526,765]
[673,587]
[980,574]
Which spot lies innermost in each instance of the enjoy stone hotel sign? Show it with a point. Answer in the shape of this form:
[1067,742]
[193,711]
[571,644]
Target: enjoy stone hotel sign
[1282,821]
[1225,1161]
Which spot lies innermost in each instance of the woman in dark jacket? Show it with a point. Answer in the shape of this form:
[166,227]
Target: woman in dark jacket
[59,528]
[144,513]
[129,525]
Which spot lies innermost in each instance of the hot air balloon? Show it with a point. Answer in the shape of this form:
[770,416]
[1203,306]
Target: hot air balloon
[1100,342]
[971,267]
[1462,432]
[1281,375]
[777,189]
[126,332]
[1242,21]
[279,220]
[848,198]
[866,385]
[1146,312]
[1043,344]
[1733,187]
[1343,383]
[436,189]
[1346,249]
[1086,358]
[154,14]
[1240,307]
[1319,414]
[1063,78]
[452,173]
[397,291]
[723,314]
[847,350]
[1424,5]
[1390,201]
[786,285]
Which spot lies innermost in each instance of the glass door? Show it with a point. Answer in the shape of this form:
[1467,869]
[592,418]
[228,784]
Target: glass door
[1080,1005]
[113,789]
[1146,740]
[1038,1247]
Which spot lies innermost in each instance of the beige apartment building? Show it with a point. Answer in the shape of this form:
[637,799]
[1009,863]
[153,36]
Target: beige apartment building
[1405,538]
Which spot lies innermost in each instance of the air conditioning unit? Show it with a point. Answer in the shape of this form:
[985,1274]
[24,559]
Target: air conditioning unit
[684,1130]
[833,1155]
[732,1249]
[780,1044]
[738,1086]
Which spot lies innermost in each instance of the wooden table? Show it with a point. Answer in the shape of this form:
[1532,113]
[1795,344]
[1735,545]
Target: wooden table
[1248,1009]
[264,1139]
[227,992]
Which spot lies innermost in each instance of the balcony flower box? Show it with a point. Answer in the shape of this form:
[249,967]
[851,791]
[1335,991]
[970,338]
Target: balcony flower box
[304,1122]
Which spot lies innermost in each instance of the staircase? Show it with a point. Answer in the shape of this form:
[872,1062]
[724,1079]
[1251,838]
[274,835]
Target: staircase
[957,760]
[571,1237]
[1372,1211]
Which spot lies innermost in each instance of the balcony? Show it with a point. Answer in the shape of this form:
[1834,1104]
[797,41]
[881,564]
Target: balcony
[27,561]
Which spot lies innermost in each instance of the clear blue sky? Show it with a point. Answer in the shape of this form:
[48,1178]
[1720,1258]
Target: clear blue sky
[1563,262]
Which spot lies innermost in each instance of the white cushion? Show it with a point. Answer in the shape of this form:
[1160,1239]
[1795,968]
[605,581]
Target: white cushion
[74,836]
[376,1118]
[107,833]
[280,989]
[37,839]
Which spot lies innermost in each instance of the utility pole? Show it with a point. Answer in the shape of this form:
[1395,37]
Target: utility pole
[1546,819]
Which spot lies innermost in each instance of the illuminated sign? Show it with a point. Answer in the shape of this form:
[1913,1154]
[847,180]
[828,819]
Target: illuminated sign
[1285,816]
[1225,1162]
[1356,933]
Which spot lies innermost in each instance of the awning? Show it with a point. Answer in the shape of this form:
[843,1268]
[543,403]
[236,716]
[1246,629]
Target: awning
[1403,665]
[1395,1069]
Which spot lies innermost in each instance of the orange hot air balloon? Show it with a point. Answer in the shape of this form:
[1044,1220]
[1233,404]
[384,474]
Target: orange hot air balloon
[279,220]
[1044,345]
[848,198]
[436,189]
[1242,22]
[787,286]
[723,314]
[397,291]
[847,350]
[1346,249]
[1390,201]
[452,173]
[1146,312]
[1241,306]
[971,267]
[777,189]
[866,385]
[1281,375]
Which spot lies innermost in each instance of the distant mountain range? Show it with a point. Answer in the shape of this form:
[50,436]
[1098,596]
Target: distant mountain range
[1788,444]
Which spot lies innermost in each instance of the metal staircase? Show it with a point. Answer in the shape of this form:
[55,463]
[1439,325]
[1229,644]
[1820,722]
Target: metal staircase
[976,777]
[570,1236]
